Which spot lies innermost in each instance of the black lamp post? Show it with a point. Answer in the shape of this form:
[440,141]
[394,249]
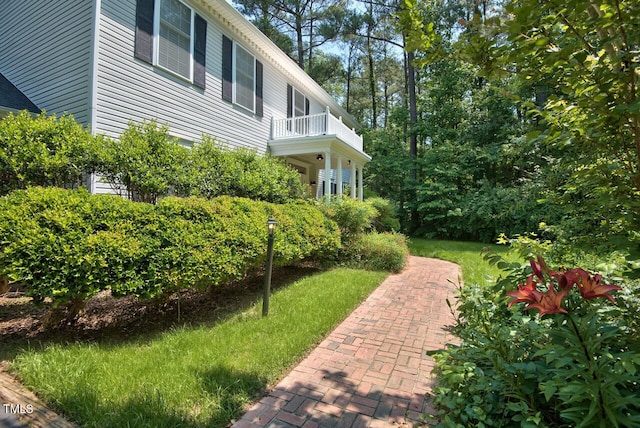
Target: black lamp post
[271,226]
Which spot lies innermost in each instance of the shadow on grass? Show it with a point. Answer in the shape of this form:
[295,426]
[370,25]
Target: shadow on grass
[144,410]
[113,321]
[229,389]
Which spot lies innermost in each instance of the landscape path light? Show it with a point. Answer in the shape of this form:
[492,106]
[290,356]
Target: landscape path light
[271,227]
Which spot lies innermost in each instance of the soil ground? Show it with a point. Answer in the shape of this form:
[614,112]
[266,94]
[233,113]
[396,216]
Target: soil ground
[109,319]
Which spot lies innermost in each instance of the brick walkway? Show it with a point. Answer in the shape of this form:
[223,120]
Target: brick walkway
[372,370]
[23,409]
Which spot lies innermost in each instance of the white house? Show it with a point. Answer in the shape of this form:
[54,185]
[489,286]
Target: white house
[197,65]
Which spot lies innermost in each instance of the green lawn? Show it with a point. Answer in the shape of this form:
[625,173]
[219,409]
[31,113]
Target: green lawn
[466,254]
[191,377]
[204,376]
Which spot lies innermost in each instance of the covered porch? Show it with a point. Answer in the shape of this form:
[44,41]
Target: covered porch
[328,155]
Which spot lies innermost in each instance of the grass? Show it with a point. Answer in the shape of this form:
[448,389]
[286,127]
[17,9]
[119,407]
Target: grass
[194,377]
[467,254]
[206,375]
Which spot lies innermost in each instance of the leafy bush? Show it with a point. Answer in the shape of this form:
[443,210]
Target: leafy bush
[143,164]
[67,246]
[362,247]
[377,251]
[574,365]
[352,216]
[145,160]
[386,219]
[213,170]
[44,151]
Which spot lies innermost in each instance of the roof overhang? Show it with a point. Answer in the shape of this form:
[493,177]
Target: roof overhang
[314,145]
[12,100]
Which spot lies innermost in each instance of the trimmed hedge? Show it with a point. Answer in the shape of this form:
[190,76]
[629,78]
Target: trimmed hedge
[213,170]
[68,245]
[44,151]
[363,244]
[377,251]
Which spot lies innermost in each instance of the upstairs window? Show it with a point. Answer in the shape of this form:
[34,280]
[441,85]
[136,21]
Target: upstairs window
[245,78]
[297,107]
[297,103]
[171,35]
[174,37]
[300,104]
[242,77]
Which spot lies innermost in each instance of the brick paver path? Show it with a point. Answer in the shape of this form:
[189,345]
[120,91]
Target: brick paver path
[372,370]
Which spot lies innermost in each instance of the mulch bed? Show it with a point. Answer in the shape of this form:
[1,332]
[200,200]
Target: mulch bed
[106,318]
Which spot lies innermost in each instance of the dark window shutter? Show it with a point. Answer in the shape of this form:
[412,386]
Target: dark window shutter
[227,69]
[259,85]
[289,101]
[306,106]
[144,30]
[200,52]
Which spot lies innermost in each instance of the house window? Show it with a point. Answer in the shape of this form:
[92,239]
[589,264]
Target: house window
[242,77]
[171,35]
[245,78]
[174,37]
[299,104]
[297,107]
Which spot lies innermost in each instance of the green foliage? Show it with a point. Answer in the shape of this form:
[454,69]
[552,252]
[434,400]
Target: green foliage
[44,151]
[193,376]
[90,243]
[387,171]
[213,170]
[456,200]
[363,247]
[576,57]
[145,160]
[377,251]
[574,369]
[352,216]
[387,219]
[144,164]
[69,245]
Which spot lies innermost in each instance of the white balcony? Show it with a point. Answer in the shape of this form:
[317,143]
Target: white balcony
[315,125]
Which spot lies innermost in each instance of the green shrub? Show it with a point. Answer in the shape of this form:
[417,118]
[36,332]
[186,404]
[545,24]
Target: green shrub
[352,216]
[377,251]
[67,246]
[214,170]
[575,364]
[44,151]
[362,247]
[145,161]
[386,219]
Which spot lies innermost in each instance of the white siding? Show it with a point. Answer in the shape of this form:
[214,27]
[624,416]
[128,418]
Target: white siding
[45,51]
[130,89]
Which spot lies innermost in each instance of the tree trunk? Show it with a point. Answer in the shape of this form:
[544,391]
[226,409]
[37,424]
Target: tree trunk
[300,41]
[413,138]
[372,86]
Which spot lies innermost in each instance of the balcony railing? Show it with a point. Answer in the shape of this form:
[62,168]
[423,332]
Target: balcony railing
[314,125]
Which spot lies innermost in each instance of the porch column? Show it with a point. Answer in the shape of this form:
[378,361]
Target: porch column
[360,183]
[327,176]
[353,181]
[339,178]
